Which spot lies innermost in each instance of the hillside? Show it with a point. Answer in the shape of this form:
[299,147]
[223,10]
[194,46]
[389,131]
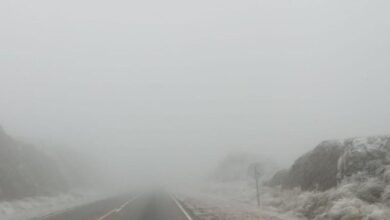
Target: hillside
[26,171]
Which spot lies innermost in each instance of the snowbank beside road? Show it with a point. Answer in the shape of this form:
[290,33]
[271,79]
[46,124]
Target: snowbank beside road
[207,207]
[238,201]
[35,207]
[228,201]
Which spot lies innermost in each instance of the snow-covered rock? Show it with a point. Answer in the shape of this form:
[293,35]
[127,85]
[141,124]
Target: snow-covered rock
[370,155]
[333,161]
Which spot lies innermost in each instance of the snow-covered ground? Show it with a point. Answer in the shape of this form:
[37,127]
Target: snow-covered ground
[35,207]
[209,207]
[233,201]
[237,200]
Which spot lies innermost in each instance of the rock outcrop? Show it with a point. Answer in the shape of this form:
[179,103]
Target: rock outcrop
[333,161]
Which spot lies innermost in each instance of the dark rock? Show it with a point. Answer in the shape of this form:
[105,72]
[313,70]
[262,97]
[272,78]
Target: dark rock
[316,169]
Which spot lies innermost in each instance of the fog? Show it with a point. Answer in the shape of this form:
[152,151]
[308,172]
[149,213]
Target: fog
[168,88]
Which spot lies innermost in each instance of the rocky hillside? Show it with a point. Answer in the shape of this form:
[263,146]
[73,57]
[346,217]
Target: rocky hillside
[26,171]
[334,161]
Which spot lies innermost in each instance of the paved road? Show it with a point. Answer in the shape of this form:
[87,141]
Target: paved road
[156,206]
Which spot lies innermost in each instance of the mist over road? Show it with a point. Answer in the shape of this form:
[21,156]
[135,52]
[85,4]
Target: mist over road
[152,206]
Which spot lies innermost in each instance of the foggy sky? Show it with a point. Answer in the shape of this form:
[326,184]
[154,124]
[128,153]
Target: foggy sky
[176,85]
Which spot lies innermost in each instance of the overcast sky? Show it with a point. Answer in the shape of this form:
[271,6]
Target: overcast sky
[182,83]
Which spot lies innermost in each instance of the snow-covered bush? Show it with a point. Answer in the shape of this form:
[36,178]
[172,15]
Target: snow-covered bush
[386,195]
[354,199]
[371,191]
[386,174]
[370,155]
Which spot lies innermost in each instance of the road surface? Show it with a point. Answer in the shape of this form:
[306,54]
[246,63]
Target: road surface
[156,206]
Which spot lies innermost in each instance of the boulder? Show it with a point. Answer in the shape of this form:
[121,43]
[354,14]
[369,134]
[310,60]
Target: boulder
[316,170]
[333,161]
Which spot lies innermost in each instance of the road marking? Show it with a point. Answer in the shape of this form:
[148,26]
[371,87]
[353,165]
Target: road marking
[107,214]
[181,207]
[122,206]
[116,210]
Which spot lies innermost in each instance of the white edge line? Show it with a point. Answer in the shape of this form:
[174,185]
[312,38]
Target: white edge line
[181,207]
[107,214]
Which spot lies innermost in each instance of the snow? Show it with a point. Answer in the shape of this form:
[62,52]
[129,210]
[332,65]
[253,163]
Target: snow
[362,191]
[227,201]
[35,207]
[364,144]
[238,201]
[208,207]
